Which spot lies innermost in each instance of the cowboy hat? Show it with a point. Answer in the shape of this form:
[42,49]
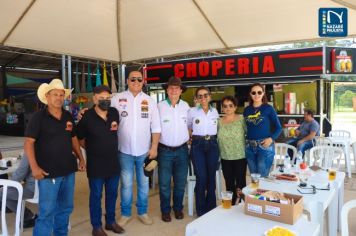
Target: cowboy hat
[54,84]
[175,81]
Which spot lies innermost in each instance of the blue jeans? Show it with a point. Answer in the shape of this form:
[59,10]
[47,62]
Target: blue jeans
[55,205]
[129,164]
[172,163]
[205,157]
[259,159]
[96,189]
[302,147]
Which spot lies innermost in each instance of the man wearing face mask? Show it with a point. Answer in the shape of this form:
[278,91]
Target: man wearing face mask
[97,133]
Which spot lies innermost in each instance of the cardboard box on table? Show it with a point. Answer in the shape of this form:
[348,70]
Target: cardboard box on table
[284,213]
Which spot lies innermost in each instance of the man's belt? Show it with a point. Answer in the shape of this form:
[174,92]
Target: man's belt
[161,145]
[205,137]
[254,143]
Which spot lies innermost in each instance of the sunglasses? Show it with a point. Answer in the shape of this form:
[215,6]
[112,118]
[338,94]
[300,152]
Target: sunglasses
[228,106]
[258,92]
[139,79]
[205,95]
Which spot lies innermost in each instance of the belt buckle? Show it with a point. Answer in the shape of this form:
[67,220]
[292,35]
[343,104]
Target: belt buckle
[207,137]
[253,143]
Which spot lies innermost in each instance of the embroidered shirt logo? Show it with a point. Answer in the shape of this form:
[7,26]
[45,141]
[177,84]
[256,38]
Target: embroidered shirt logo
[114,126]
[69,126]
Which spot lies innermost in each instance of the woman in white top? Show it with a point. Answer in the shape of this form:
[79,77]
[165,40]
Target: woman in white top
[202,122]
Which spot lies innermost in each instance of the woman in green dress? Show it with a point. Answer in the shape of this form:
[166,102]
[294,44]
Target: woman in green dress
[231,139]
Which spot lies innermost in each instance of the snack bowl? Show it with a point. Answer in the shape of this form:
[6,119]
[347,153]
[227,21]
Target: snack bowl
[279,231]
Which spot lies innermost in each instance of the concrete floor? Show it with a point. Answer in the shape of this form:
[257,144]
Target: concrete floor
[80,221]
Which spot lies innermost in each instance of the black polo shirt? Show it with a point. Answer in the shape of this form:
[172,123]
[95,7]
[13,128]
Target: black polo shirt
[53,145]
[101,143]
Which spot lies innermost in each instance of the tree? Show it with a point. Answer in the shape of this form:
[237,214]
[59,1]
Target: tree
[346,98]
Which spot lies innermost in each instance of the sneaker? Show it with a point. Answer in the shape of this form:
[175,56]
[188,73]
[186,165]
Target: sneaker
[145,219]
[124,220]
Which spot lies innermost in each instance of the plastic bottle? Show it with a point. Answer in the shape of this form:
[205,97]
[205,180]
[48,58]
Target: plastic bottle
[286,162]
[299,159]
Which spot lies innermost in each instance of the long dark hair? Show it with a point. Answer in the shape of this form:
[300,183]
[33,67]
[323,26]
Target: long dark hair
[264,98]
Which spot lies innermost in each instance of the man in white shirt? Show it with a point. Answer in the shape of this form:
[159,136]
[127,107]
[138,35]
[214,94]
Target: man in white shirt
[173,158]
[139,133]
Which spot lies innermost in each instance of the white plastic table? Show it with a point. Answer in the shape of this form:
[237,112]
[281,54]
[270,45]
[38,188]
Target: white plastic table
[316,204]
[233,221]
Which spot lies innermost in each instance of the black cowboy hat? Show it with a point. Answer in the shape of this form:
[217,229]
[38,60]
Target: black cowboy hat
[175,81]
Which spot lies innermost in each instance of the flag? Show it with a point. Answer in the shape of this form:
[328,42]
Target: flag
[113,82]
[105,76]
[77,87]
[83,87]
[98,75]
[89,82]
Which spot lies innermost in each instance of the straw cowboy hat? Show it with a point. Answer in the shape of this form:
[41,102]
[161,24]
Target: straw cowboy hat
[54,84]
[175,81]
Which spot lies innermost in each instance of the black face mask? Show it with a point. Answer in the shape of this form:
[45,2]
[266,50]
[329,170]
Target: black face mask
[104,104]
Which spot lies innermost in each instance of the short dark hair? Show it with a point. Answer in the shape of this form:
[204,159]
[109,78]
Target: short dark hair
[101,88]
[230,99]
[309,112]
[202,88]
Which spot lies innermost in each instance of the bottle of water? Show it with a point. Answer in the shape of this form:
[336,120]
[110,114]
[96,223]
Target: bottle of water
[286,162]
[299,159]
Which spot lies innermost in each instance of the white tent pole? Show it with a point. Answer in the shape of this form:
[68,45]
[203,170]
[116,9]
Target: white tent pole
[64,70]
[121,76]
[69,85]
[321,90]
[118,28]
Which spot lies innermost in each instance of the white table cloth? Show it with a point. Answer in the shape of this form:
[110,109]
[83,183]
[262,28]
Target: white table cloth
[226,222]
[315,204]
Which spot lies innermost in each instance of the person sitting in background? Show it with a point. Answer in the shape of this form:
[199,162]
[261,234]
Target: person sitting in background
[305,133]
[22,174]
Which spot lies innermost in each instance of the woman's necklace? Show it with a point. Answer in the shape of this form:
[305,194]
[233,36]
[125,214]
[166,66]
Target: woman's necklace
[256,109]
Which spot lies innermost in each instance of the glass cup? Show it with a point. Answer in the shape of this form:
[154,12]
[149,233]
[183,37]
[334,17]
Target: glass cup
[332,174]
[226,199]
[255,180]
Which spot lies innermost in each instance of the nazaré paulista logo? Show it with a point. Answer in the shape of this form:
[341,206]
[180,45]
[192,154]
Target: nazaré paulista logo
[333,22]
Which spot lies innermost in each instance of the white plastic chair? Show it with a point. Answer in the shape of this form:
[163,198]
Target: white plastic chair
[13,184]
[343,138]
[33,200]
[344,217]
[191,181]
[353,145]
[317,141]
[322,141]
[281,152]
[155,177]
[325,156]
[340,133]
